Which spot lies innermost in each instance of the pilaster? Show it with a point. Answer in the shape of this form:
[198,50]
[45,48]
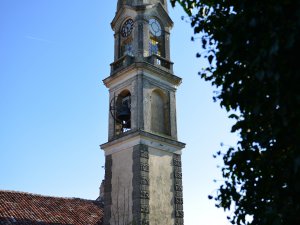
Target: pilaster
[178,194]
[140,183]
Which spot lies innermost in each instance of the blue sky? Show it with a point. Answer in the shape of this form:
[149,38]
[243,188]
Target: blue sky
[54,55]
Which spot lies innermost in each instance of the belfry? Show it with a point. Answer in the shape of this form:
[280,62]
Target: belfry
[143,176]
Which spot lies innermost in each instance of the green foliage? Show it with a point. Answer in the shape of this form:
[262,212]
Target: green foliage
[251,47]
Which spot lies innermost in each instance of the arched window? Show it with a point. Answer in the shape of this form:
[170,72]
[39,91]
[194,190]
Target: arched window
[123,112]
[156,38]
[159,113]
[126,47]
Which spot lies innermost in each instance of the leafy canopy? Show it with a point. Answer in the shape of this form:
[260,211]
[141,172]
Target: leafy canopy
[251,47]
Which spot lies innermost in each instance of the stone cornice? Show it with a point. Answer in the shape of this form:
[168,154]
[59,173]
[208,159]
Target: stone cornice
[146,67]
[132,138]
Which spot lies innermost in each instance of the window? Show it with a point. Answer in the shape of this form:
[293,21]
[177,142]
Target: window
[156,38]
[154,46]
[126,48]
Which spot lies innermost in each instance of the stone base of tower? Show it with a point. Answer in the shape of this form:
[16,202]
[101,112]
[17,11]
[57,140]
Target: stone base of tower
[143,180]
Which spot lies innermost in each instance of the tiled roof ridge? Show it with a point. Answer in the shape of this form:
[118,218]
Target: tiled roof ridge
[46,196]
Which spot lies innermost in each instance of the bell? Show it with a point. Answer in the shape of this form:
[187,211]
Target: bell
[123,113]
[126,124]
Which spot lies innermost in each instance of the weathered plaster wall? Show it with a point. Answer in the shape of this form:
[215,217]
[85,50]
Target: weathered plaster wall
[121,187]
[163,114]
[161,187]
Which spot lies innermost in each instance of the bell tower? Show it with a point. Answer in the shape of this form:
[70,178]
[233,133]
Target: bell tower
[143,178]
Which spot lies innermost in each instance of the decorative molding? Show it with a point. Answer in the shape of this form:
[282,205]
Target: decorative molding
[140,137]
[179,207]
[144,154]
[177,162]
[179,213]
[177,174]
[178,221]
[178,187]
[178,195]
[165,76]
[144,194]
[179,201]
[140,183]
[145,209]
[144,180]
[144,167]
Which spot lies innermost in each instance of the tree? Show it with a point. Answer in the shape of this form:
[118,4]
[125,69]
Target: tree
[251,48]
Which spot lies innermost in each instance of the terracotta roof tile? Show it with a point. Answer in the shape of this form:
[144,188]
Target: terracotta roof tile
[31,209]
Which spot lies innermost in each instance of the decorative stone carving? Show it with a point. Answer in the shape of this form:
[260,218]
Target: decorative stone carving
[145,222]
[178,221]
[179,214]
[144,167]
[178,195]
[178,187]
[177,162]
[178,175]
[178,207]
[144,194]
[144,208]
[144,180]
[179,201]
[144,160]
[144,154]
[140,182]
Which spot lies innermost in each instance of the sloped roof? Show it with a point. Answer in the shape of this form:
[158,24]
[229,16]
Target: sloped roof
[31,209]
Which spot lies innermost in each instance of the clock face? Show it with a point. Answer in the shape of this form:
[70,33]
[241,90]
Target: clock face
[127,28]
[154,27]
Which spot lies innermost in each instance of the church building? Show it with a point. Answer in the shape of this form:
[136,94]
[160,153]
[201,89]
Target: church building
[143,175]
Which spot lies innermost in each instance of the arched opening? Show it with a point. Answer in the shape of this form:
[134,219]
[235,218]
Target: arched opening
[156,38]
[122,112]
[159,113]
